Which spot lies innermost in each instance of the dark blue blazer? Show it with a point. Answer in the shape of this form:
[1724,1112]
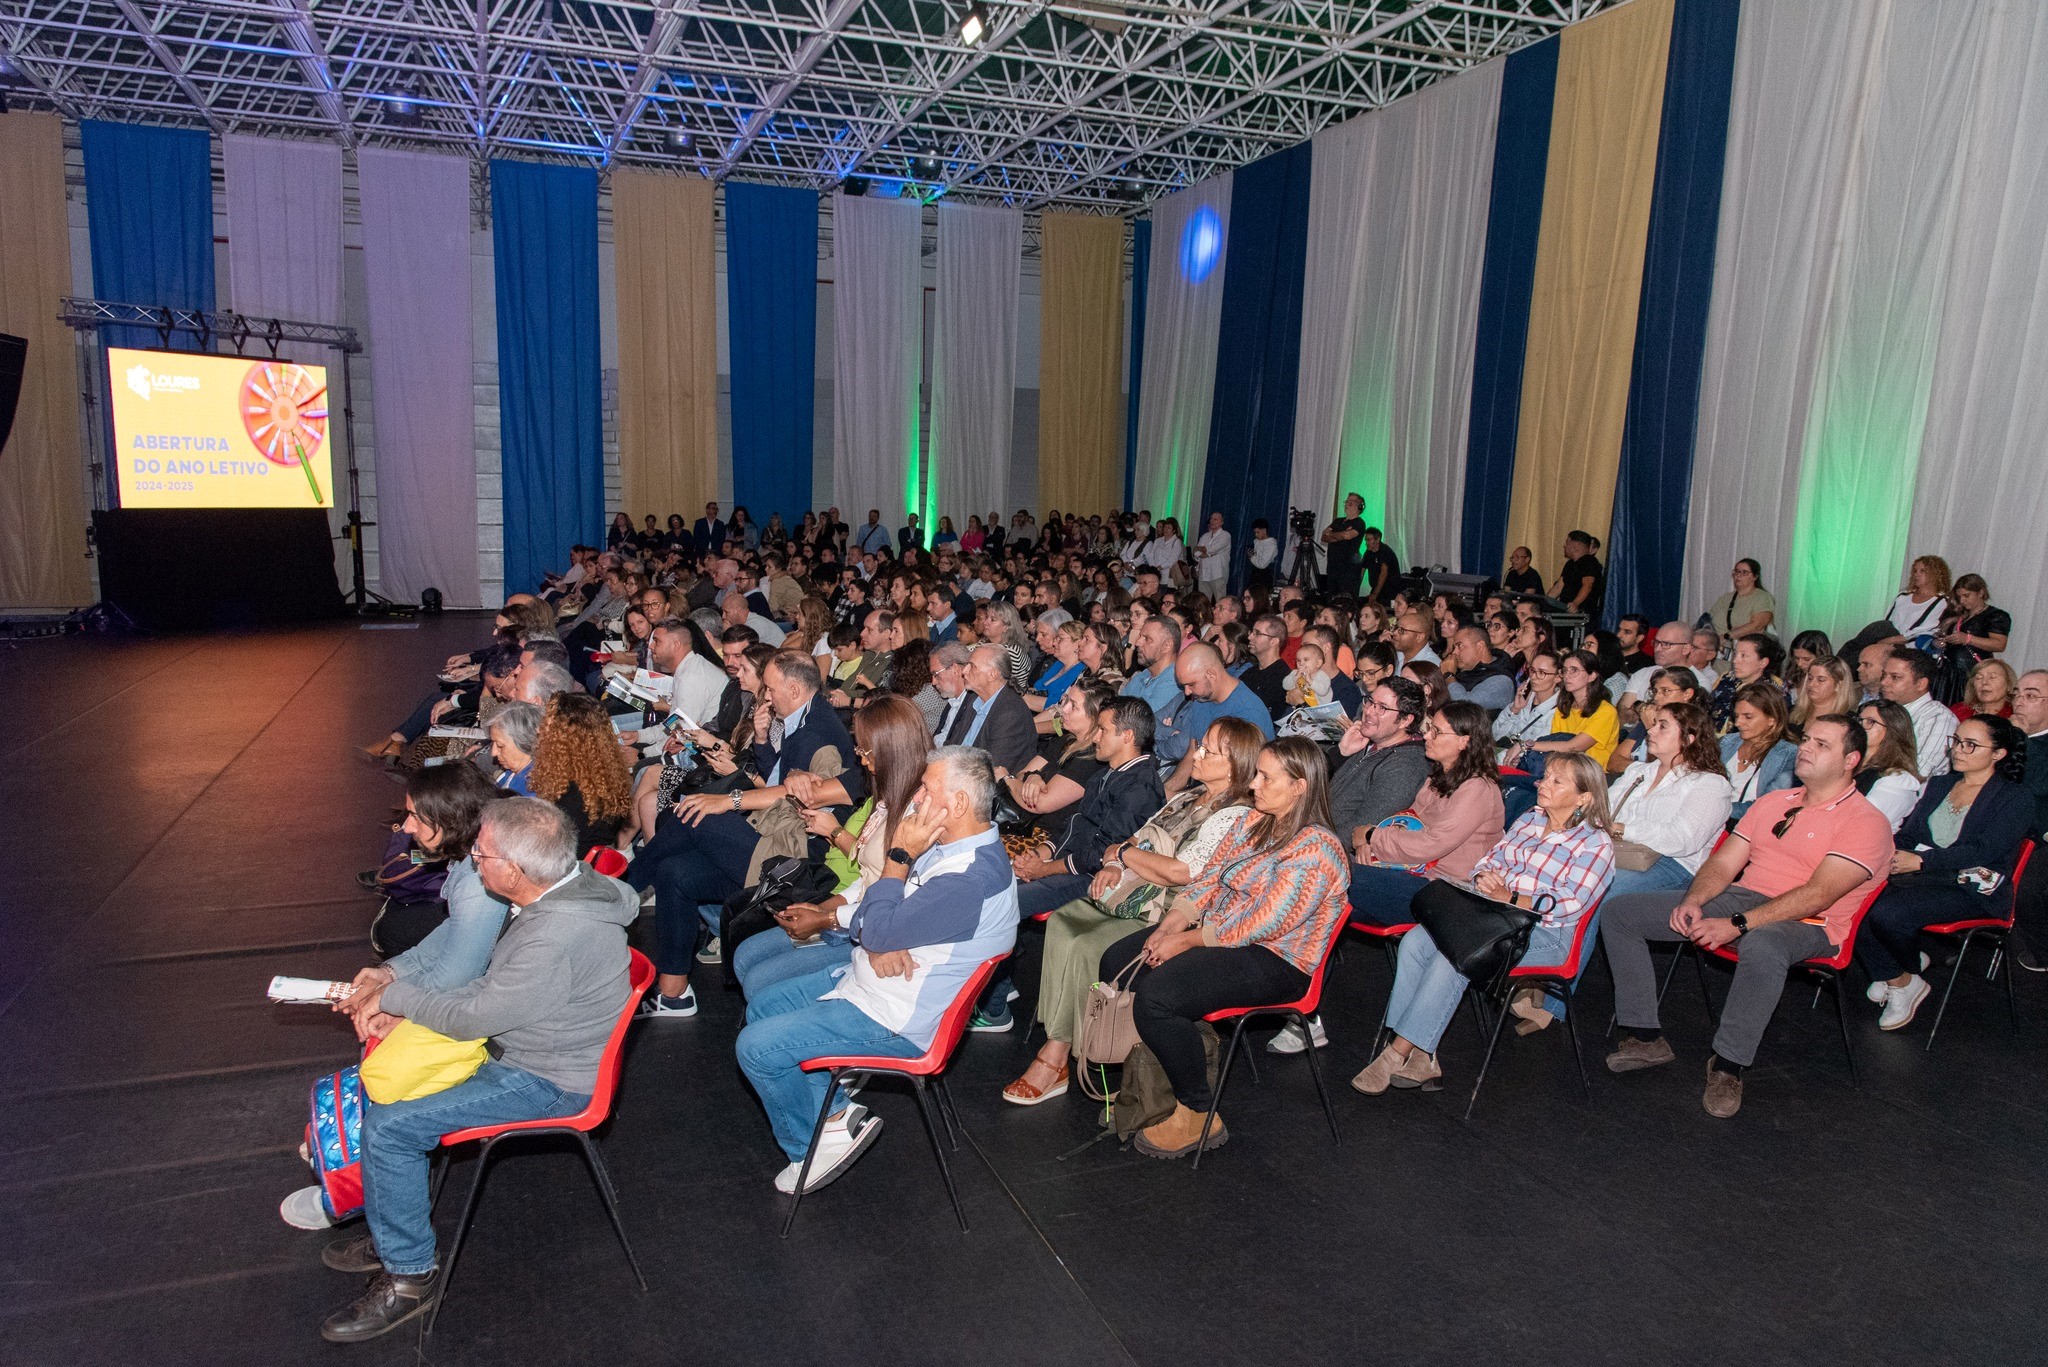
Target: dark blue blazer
[821,730]
[709,535]
[2000,818]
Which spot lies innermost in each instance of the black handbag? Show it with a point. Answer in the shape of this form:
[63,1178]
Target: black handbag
[751,911]
[1478,935]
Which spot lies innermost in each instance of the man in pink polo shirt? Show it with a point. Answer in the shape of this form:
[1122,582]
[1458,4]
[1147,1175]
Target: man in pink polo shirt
[1783,887]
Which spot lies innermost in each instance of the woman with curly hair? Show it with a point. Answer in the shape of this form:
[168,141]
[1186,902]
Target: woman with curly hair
[813,625]
[578,766]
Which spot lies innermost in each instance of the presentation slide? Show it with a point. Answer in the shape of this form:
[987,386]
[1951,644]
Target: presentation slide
[198,431]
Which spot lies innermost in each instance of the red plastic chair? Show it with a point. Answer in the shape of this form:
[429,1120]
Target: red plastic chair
[930,1064]
[640,974]
[1520,975]
[610,862]
[1826,970]
[1297,1012]
[1993,928]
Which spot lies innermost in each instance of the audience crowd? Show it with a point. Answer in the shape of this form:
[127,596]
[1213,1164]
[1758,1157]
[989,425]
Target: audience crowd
[843,762]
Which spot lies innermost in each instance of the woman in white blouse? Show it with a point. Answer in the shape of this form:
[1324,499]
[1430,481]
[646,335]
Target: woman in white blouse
[1530,715]
[1675,803]
[1890,774]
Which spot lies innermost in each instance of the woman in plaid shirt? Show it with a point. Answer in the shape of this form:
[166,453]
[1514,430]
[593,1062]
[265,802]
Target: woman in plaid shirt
[1560,850]
[1246,931]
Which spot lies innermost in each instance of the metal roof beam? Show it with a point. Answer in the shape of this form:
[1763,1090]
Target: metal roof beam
[162,52]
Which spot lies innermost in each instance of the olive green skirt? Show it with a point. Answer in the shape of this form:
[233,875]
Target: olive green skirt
[1075,937]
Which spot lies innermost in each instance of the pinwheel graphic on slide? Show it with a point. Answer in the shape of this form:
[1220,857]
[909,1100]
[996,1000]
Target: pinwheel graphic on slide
[284,410]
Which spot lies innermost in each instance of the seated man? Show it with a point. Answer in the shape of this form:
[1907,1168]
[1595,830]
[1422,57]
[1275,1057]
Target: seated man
[1479,673]
[1116,802]
[993,717]
[555,986]
[1782,888]
[702,850]
[946,902]
[1209,692]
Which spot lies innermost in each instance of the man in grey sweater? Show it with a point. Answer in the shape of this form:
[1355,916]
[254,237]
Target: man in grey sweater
[1385,767]
[547,1003]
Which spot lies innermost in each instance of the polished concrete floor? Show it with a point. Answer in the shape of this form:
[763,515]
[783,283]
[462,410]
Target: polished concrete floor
[185,818]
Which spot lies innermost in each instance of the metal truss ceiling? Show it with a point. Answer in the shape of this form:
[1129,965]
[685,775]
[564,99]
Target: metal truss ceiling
[1093,104]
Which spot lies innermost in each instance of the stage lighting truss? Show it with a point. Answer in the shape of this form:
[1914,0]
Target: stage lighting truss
[1100,105]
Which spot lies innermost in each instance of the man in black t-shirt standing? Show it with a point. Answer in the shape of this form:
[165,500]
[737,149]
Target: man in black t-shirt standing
[1521,578]
[1582,584]
[1380,568]
[1344,538]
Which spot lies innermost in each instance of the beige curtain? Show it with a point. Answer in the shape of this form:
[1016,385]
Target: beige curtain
[1589,274]
[42,502]
[1080,363]
[668,343]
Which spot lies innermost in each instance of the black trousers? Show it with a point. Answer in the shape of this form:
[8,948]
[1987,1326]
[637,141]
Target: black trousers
[1890,942]
[1173,997]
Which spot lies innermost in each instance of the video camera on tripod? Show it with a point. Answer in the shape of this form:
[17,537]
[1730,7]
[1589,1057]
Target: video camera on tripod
[1306,572]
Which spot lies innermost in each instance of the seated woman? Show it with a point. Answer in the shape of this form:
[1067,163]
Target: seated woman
[1806,647]
[1756,660]
[1989,693]
[444,808]
[891,742]
[1890,773]
[1248,930]
[1457,819]
[1674,803]
[513,730]
[1559,850]
[1165,853]
[1976,816]
[1530,716]
[1063,666]
[1756,756]
[1586,722]
[578,766]
[1052,785]
[1971,632]
[1825,690]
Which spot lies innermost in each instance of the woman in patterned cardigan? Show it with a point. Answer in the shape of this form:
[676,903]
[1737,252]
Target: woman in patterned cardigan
[1247,931]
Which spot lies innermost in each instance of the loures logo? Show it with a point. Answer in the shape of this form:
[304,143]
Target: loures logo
[145,382]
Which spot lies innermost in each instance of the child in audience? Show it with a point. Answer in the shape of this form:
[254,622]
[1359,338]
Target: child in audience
[1308,684]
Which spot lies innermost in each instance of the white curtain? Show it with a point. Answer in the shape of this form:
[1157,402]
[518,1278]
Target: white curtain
[1982,503]
[415,212]
[284,261]
[1183,319]
[1802,68]
[1869,412]
[878,326]
[1397,239]
[974,360]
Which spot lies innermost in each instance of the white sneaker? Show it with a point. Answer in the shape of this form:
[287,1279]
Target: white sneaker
[712,953]
[845,1139]
[1878,990]
[654,1006]
[1902,1003]
[1288,1040]
[303,1209]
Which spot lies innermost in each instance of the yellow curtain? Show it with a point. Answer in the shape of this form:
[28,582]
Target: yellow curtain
[42,501]
[1080,363]
[1589,275]
[668,343]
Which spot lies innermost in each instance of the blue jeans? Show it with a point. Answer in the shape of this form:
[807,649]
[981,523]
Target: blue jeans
[786,1025]
[689,867]
[772,957]
[1381,896]
[1427,989]
[1040,896]
[399,1139]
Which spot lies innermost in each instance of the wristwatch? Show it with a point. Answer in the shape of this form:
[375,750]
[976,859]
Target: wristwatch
[1740,920]
[735,799]
[896,854]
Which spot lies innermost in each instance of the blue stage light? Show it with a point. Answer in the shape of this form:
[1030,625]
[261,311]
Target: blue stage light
[1201,244]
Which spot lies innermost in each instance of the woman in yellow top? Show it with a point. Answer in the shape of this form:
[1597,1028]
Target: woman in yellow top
[1586,721]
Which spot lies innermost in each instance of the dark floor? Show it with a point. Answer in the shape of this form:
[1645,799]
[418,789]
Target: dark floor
[185,819]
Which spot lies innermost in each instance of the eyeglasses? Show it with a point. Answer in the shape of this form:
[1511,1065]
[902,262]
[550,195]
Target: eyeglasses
[1968,747]
[1785,823]
[1434,732]
[1376,705]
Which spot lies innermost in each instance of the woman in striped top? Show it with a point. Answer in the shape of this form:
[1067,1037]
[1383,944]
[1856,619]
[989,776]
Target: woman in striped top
[1247,931]
[1559,850]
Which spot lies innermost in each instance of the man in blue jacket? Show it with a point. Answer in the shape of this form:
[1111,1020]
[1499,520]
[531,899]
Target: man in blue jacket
[945,903]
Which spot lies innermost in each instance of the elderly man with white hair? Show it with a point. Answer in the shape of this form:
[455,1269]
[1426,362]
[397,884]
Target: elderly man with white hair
[945,903]
[556,983]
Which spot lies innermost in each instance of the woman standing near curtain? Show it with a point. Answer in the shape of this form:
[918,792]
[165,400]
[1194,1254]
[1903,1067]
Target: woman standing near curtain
[1971,633]
[1748,607]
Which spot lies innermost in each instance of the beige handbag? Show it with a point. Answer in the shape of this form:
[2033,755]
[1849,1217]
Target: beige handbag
[1634,857]
[1107,1033]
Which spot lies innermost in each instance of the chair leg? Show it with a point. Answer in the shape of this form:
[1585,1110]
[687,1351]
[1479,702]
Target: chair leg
[948,1112]
[1223,1081]
[925,1106]
[2012,999]
[602,1176]
[1571,1029]
[817,1133]
[1315,1071]
[476,1186]
[1677,953]
[1953,973]
[1492,1038]
[1842,1018]
[441,1160]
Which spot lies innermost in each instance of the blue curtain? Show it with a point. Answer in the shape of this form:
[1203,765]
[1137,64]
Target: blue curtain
[1141,275]
[1521,158]
[149,210]
[1653,496]
[544,239]
[1258,353]
[771,288]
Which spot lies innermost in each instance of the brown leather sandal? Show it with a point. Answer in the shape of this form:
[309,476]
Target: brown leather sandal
[1022,1093]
